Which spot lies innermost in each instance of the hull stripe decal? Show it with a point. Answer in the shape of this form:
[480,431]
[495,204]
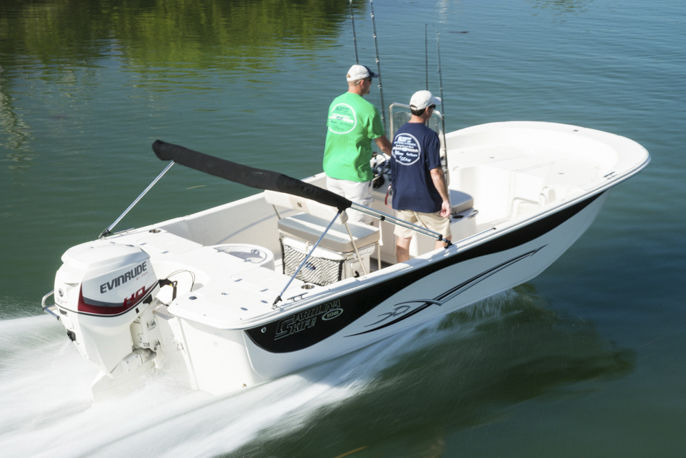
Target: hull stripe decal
[304,328]
[452,292]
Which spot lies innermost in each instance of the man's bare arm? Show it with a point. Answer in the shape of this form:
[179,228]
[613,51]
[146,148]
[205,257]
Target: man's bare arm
[383,144]
[439,183]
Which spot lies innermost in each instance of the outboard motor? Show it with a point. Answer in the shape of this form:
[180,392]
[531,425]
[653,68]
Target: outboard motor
[101,288]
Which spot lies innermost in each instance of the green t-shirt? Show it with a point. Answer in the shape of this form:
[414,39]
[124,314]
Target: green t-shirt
[351,125]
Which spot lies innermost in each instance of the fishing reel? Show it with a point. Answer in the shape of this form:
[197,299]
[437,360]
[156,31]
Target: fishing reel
[381,166]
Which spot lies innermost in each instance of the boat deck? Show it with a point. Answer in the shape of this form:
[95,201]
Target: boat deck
[215,287]
[510,177]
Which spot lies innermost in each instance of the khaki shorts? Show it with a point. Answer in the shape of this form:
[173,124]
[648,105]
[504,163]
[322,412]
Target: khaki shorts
[431,221]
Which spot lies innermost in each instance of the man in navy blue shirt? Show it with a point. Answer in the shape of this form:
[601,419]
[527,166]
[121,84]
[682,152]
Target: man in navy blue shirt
[420,195]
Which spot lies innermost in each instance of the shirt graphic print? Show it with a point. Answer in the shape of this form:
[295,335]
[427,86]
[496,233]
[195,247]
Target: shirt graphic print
[414,154]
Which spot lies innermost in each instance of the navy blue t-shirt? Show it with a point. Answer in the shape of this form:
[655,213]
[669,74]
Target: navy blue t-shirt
[415,152]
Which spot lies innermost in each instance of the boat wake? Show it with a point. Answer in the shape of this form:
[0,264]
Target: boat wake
[480,359]
[45,391]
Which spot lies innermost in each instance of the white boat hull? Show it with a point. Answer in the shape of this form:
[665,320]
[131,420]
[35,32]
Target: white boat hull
[449,284]
[217,320]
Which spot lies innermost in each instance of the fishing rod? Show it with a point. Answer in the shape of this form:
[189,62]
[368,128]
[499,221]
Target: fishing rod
[440,85]
[378,64]
[426,55]
[352,20]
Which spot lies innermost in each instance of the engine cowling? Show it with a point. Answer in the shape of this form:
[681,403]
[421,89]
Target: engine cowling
[100,289]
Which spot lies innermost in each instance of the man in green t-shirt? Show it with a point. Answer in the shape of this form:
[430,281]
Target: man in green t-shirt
[352,124]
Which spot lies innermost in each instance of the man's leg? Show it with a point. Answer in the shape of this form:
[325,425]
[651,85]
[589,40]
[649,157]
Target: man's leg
[436,223]
[360,193]
[402,248]
[403,235]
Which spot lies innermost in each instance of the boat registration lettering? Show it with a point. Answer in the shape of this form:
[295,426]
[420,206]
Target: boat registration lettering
[307,319]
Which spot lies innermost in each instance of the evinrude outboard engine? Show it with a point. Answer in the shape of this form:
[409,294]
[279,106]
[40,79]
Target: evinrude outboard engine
[101,288]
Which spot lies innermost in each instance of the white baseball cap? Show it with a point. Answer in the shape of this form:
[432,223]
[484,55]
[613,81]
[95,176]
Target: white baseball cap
[359,72]
[422,99]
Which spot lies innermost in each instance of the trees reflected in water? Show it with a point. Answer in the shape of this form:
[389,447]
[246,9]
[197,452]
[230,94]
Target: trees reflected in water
[60,47]
[166,31]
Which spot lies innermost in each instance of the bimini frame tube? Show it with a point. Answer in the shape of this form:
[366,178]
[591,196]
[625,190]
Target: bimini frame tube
[302,263]
[399,222]
[108,231]
[369,211]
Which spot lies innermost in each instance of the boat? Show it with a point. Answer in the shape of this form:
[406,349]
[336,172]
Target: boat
[254,289]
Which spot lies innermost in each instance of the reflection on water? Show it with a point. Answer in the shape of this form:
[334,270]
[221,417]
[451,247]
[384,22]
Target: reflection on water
[562,6]
[62,50]
[150,33]
[15,132]
[474,366]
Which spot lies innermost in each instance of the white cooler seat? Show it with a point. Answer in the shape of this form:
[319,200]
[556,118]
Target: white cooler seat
[335,257]
[309,228]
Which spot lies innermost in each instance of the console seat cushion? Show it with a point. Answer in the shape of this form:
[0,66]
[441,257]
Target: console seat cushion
[309,227]
[460,201]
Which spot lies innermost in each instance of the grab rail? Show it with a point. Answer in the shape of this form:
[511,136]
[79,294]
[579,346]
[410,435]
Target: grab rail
[435,122]
[49,308]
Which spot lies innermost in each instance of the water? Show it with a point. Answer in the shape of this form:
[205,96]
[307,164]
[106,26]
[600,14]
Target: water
[586,360]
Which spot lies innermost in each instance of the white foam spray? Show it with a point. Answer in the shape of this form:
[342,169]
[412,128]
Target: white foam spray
[48,410]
